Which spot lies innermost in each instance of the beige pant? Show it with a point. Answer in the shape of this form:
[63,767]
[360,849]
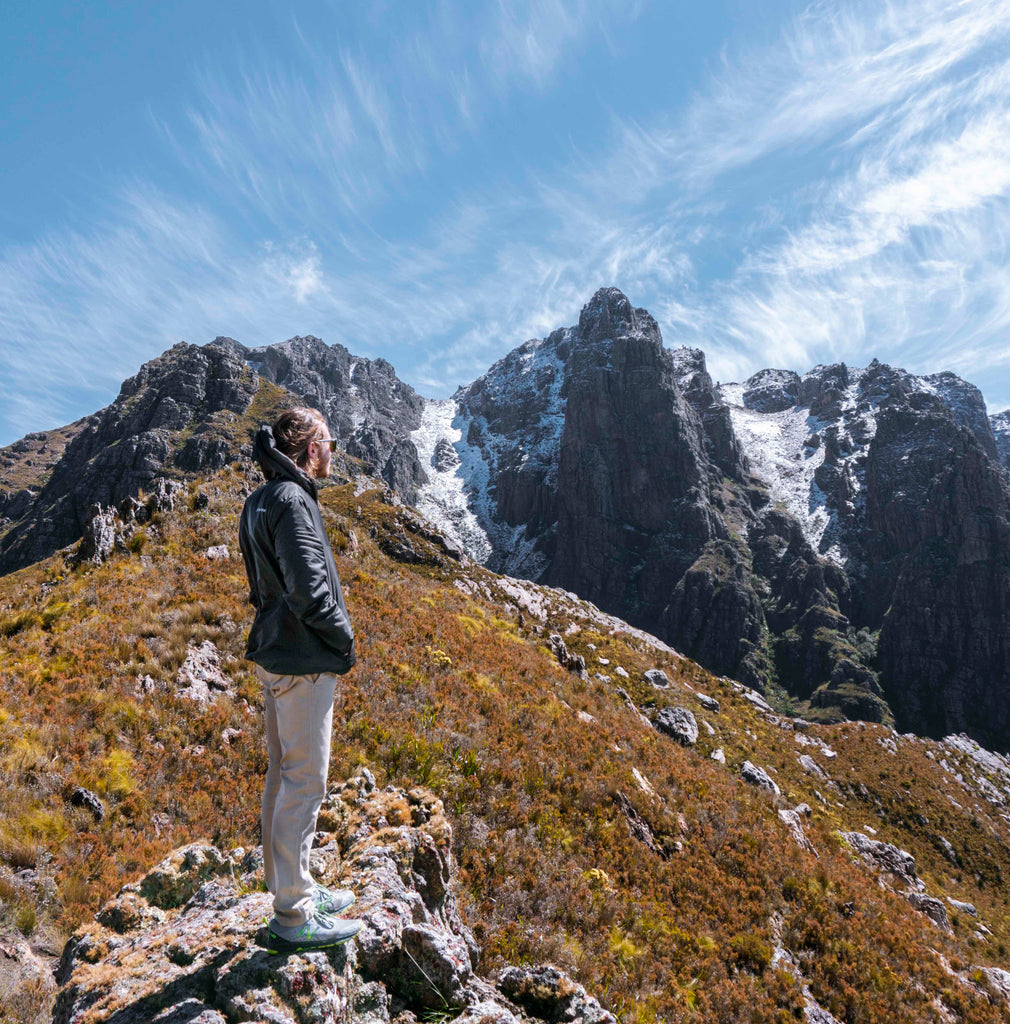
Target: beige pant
[299,716]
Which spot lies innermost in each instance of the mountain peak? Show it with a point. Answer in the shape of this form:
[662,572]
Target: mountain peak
[607,314]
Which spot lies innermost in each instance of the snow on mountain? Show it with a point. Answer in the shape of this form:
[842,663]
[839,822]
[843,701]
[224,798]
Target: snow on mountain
[455,470]
[774,443]
[509,421]
[799,432]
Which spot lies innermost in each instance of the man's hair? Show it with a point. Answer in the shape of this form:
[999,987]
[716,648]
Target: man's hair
[293,431]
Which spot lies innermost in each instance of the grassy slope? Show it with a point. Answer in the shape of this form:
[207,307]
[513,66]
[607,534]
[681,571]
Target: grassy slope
[456,691]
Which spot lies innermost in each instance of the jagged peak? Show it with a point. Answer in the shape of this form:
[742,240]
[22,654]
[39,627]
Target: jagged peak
[609,314]
[229,345]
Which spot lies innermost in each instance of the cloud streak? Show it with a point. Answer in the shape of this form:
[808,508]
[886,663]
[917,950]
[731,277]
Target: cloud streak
[841,194]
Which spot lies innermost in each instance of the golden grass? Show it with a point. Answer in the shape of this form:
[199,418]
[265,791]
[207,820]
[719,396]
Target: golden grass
[534,766]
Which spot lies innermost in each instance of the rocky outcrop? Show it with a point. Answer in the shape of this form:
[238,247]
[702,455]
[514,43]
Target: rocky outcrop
[679,724]
[183,942]
[200,677]
[129,445]
[368,407]
[633,514]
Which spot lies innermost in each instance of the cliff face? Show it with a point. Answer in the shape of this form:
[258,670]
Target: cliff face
[938,535]
[164,418]
[190,410]
[633,495]
[599,461]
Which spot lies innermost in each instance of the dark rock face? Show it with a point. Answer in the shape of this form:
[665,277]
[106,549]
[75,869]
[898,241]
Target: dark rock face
[127,445]
[911,603]
[619,460]
[633,510]
[772,390]
[938,534]
[368,407]
[721,444]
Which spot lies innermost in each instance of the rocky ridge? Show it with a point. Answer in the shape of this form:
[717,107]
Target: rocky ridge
[185,942]
[599,461]
[771,530]
[192,410]
[837,538]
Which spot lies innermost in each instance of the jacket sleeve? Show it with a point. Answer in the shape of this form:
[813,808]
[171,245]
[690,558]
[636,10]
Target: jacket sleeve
[247,558]
[302,559]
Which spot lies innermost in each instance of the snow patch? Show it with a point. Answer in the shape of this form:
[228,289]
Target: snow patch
[444,499]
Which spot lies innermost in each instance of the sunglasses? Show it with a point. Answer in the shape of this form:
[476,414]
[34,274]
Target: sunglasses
[331,441]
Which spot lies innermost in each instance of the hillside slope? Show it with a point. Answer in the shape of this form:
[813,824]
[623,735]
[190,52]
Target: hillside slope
[604,817]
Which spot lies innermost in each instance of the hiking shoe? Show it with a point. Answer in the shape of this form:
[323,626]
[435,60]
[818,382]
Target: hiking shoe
[331,901]
[319,932]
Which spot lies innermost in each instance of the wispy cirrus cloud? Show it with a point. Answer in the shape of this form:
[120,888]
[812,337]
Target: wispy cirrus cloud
[838,194]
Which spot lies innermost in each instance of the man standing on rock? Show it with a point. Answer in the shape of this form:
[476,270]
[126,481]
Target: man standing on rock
[301,640]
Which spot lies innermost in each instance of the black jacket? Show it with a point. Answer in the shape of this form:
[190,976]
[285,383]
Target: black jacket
[301,625]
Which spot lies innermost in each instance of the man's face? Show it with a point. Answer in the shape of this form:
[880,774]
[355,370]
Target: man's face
[319,455]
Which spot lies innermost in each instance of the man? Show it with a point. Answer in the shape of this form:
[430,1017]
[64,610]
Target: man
[301,640]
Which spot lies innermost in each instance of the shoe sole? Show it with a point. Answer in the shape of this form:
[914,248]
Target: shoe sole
[275,944]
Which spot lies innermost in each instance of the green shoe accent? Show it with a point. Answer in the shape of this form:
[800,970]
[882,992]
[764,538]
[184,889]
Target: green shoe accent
[320,932]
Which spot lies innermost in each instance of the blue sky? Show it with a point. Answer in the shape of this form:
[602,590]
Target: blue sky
[780,184]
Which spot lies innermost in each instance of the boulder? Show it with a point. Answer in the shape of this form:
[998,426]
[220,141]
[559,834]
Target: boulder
[931,907]
[82,797]
[678,723]
[549,994]
[758,777]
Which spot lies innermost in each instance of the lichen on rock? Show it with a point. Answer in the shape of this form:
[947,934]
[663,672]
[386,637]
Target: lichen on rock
[184,943]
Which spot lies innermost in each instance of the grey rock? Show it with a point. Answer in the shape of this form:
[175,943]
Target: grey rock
[100,535]
[201,678]
[931,907]
[792,820]
[218,553]
[961,907]
[758,777]
[679,724]
[369,409]
[573,662]
[772,391]
[445,456]
[998,978]
[707,702]
[658,678]
[811,767]
[948,851]
[887,858]
[548,994]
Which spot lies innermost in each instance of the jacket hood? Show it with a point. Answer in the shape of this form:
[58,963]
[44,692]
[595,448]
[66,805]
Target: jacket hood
[275,463]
